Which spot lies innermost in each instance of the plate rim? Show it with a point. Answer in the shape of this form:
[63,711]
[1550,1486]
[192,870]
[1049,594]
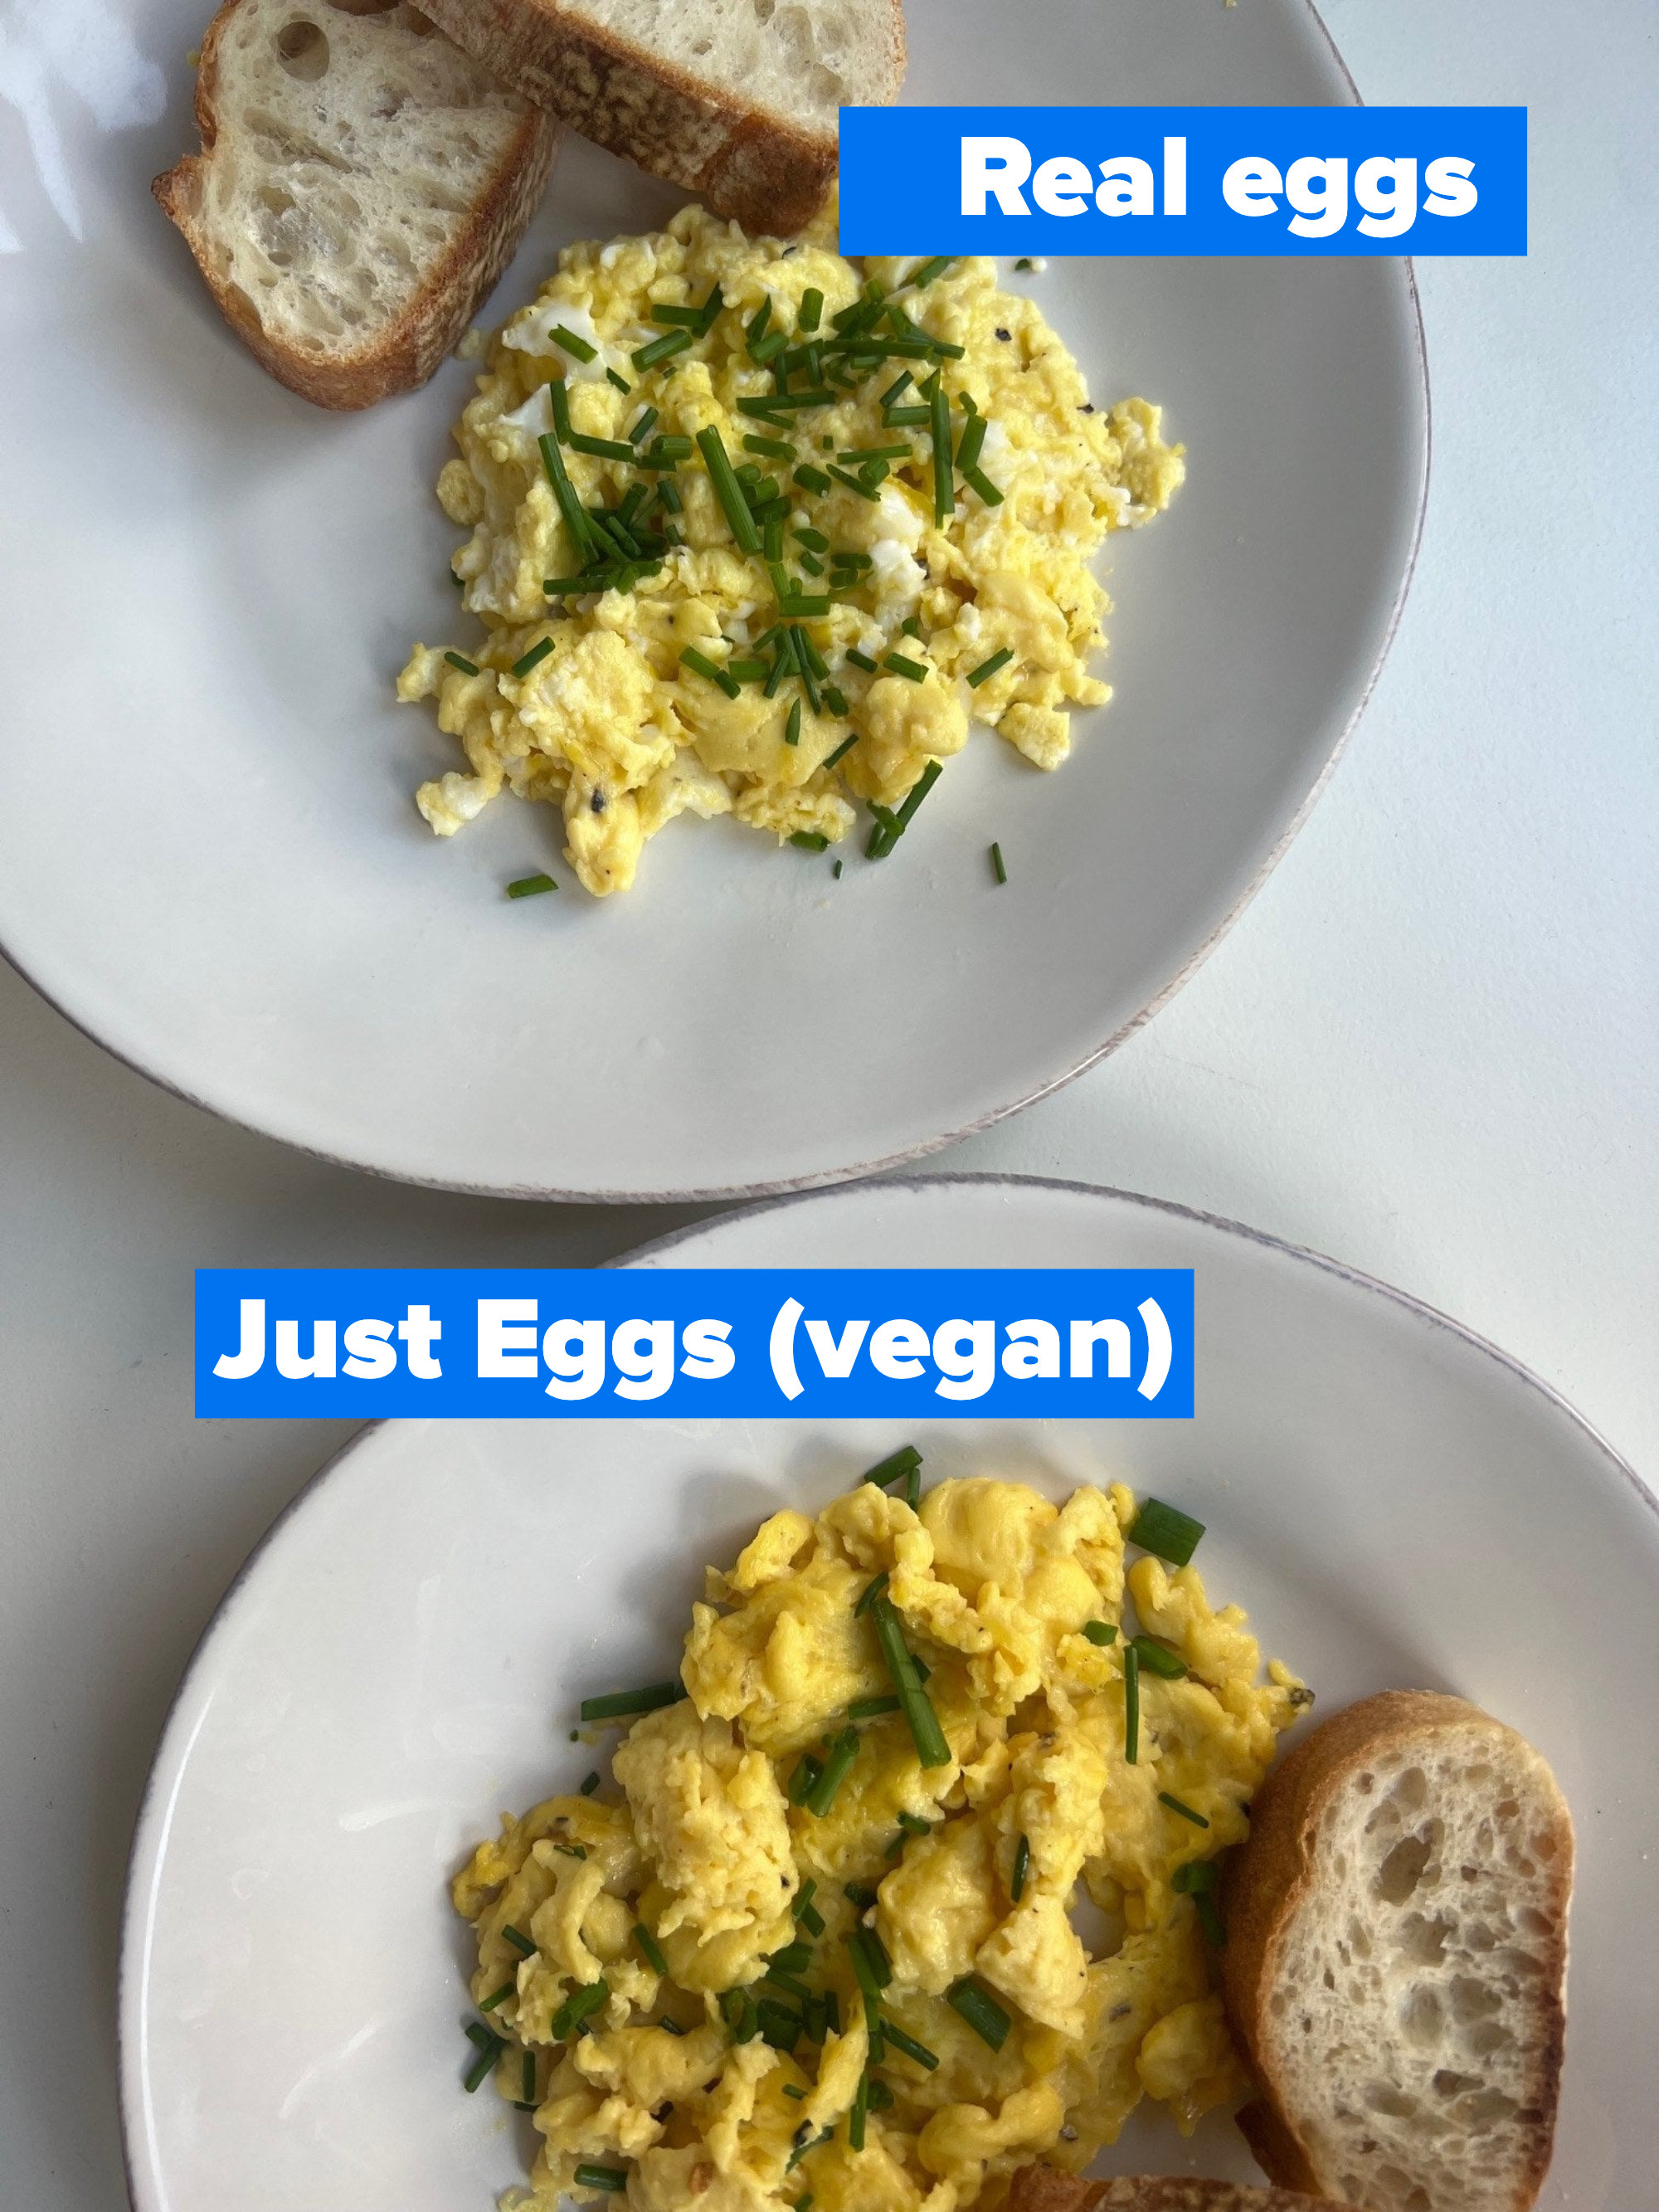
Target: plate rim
[145,1843]
[923,1148]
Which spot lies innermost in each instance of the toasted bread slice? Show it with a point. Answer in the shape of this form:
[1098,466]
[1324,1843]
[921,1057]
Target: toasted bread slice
[361,184]
[1042,2189]
[1396,1956]
[735,100]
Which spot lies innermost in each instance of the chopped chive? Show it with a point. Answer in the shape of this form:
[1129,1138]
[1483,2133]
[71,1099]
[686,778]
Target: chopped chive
[670,2026]
[870,1986]
[982,483]
[728,490]
[772,534]
[1131,1705]
[943,476]
[901,2041]
[814,538]
[811,479]
[809,318]
[858,1893]
[1025,262]
[897,417]
[810,840]
[856,2118]
[564,492]
[1098,1631]
[870,1709]
[911,626]
[621,382]
[1001,875]
[918,791]
[861,661]
[484,2064]
[811,563]
[836,700]
[972,443]
[793,2089]
[853,484]
[1185,1811]
[822,1794]
[710,670]
[620,1703]
[572,345]
[613,2179]
[980,2010]
[929,270]
[896,390]
[806,1773]
[602,449]
[1166,1531]
[932,1749]
[534,658]
[661,349]
[805,606]
[793,1958]
[499,1996]
[558,398]
[810,1918]
[1157,1658]
[459,582]
[775,449]
[787,402]
[677,317]
[459,660]
[791,727]
[1209,1919]
[988,669]
[1196,1876]
[572,1851]
[520,1942]
[650,1950]
[644,426]
[579,2006]
[673,448]
[872,1592]
[912,671]
[800,2151]
[591,1782]
[889,1469]
[1022,1868]
[898,451]
[766,349]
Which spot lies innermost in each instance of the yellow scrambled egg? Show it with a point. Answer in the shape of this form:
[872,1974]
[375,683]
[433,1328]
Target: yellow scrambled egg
[717,1988]
[613,725]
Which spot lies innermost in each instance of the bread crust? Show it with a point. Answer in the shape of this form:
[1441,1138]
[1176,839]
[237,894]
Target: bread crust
[1271,1875]
[406,353]
[1045,2189]
[743,163]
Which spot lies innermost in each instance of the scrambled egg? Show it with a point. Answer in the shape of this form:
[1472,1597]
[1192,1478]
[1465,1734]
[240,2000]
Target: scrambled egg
[678,1967]
[613,725]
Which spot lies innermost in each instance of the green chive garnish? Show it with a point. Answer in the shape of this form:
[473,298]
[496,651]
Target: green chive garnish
[650,1950]
[747,671]
[710,670]
[775,449]
[791,727]
[889,1469]
[944,471]
[602,449]
[811,314]
[1001,875]
[912,671]
[806,1773]
[1023,262]
[856,2118]
[459,660]
[897,2036]
[644,426]
[972,443]
[490,2048]
[980,2010]
[810,840]
[520,1942]
[811,479]
[929,270]
[1131,1705]
[872,1592]
[621,382]
[982,483]
[619,1704]
[670,2026]
[1157,1658]
[822,1794]
[932,1749]
[661,349]
[812,1920]
[579,2006]
[534,658]
[858,1893]
[1185,1811]
[870,1709]
[1022,1868]
[613,2179]
[861,661]
[869,1981]
[1165,1530]
[579,347]
[853,484]
[793,2089]
[836,700]
[499,1996]
[1100,1632]
[988,669]
[589,1783]
[728,490]
[572,1851]
[842,748]
[575,514]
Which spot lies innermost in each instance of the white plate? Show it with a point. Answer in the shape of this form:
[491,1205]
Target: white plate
[210,858]
[1396,1503]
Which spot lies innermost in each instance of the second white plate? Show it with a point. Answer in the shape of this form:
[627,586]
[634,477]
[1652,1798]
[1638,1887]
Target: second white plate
[1395,1504]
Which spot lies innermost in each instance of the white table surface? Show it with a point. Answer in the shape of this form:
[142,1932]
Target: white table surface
[1430,1048]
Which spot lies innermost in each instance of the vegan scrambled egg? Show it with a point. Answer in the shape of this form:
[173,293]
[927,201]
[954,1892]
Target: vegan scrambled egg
[821,1939]
[757,532]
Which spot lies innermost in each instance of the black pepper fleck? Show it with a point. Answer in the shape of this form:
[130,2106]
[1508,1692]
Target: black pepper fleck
[1005,336]
[1088,407]
[597,802]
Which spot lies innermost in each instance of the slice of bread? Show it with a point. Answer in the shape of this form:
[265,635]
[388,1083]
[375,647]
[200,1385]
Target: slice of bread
[361,184]
[1396,1956]
[1042,2189]
[735,100]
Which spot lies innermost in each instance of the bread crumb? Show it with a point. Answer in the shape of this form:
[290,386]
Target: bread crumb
[471,346]
[193,58]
